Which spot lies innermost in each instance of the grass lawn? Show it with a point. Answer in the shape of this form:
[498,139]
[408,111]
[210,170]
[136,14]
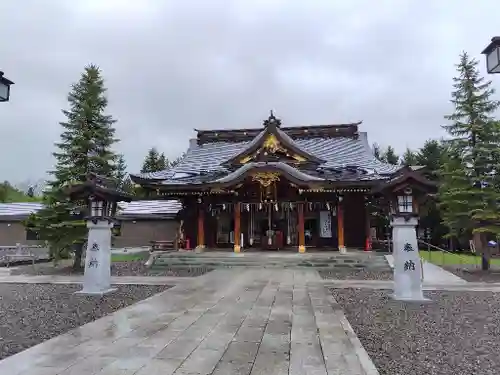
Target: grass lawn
[444,259]
[131,257]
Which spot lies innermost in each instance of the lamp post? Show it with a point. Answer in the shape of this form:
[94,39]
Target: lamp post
[4,88]
[492,52]
[407,263]
[101,195]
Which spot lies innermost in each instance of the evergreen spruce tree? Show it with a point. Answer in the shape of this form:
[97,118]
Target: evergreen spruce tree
[409,158]
[122,176]
[84,147]
[162,163]
[151,161]
[430,156]
[176,161]
[128,186]
[474,141]
[377,152]
[390,156]
[154,162]
[454,191]
[121,168]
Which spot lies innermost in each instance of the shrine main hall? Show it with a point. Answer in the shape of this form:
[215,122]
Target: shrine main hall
[279,188]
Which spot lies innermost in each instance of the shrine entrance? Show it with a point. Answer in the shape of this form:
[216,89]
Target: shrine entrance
[275,226]
[270,226]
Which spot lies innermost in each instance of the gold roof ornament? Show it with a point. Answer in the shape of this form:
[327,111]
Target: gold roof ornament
[266,179]
[271,144]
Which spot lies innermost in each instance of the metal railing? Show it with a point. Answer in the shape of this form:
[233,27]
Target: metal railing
[442,257]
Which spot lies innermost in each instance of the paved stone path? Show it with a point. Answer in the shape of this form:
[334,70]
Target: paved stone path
[78,279]
[243,321]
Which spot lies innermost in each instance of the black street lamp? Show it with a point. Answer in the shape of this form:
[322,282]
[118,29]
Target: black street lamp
[492,52]
[4,88]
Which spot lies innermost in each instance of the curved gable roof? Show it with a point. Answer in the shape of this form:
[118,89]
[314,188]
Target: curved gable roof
[272,128]
[335,151]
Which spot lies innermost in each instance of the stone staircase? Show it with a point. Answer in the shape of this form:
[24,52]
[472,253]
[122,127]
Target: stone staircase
[320,260]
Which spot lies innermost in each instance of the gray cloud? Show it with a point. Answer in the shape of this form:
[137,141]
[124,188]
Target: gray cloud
[178,65]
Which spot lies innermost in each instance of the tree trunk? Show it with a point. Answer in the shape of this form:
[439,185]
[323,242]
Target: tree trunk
[482,249]
[77,262]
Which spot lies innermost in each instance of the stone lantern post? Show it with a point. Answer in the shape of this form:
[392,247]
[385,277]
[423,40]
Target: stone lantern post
[404,191]
[101,195]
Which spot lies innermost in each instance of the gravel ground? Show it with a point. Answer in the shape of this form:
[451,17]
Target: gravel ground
[458,333]
[33,313]
[356,274]
[476,275]
[132,268]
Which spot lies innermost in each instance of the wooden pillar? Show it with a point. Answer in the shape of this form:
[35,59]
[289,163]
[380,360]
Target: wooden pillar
[340,225]
[300,229]
[237,227]
[368,239]
[201,228]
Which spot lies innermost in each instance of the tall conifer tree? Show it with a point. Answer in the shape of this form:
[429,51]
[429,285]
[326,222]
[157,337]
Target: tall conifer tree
[150,163]
[85,146]
[409,158]
[390,156]
[474,146]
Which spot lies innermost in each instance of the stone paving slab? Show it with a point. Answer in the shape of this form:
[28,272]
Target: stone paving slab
[252,322]
[77,279]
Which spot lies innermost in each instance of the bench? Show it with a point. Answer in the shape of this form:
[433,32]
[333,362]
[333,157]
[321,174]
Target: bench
[11,254]
[162,245]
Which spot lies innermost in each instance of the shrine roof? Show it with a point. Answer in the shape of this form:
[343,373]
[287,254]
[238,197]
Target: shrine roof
[150,209]
[293,132]
[134,209]
[18,211]
[204,161]
[293,172]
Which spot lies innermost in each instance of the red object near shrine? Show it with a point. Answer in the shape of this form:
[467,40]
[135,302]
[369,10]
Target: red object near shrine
[188,244]
[368,246]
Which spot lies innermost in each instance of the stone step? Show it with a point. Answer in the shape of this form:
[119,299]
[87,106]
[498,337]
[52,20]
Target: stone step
[230,260]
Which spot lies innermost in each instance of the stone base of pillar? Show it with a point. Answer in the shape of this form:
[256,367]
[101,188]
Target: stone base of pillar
[95,293]
[199,249]
[302,249]
[97,276]
[407,264]
[342,250]
[237,248]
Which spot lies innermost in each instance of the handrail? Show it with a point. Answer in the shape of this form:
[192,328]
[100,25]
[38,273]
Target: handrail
[429,245]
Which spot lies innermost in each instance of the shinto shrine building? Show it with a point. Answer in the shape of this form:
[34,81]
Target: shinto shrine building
[280,187]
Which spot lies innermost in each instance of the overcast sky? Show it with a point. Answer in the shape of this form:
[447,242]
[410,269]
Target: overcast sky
[171,66]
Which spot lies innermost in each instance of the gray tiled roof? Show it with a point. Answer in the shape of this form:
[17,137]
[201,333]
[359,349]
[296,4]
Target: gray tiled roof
[18,210]
[14,211]
[157,207]
[337,151]
[284,167]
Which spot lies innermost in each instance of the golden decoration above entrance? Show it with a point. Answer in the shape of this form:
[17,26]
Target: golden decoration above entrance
[272,144]
[266,179]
